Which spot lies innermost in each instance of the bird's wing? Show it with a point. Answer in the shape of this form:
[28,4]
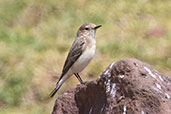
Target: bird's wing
[76,50]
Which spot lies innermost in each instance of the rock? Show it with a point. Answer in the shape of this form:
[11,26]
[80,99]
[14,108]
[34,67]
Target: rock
[156,32]
[126,87]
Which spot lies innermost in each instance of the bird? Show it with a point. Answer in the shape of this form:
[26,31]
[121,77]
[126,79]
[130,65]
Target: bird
[80,54]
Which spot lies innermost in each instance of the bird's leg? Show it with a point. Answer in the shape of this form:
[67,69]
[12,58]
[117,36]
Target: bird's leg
[78,77]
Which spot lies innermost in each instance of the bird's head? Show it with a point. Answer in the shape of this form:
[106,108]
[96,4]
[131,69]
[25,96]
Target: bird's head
[88,30]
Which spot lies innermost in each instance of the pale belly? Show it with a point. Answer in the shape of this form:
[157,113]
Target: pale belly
[83,60]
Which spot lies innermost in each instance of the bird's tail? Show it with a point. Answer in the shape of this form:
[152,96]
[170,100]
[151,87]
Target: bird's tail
[53,92]
[58,85]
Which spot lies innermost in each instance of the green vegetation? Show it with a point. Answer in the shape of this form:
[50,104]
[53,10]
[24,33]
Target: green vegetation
[35,36]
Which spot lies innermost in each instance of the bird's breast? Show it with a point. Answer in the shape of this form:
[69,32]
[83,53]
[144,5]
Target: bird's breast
[85,58]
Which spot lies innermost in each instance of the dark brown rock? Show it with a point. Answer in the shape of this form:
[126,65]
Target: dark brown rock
[125,87]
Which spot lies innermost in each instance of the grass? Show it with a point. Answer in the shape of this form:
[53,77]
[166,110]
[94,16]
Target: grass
[35,37]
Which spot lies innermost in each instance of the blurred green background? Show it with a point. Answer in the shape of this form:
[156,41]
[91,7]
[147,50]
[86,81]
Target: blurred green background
[35,36]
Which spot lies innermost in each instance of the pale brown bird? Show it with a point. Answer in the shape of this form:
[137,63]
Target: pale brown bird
[80,54]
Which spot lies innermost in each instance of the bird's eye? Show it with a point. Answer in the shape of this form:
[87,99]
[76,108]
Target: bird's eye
[86,28]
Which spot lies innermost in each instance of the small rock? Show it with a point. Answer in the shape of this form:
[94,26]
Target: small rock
[155,32]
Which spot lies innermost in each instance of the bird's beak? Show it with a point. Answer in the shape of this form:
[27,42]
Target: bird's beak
[97,27]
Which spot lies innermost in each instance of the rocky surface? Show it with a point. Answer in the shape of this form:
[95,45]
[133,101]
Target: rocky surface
[126,87]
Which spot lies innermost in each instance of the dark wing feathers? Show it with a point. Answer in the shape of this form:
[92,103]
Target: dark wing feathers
[75,52]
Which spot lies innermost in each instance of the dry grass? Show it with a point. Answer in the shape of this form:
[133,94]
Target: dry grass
[35,37]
